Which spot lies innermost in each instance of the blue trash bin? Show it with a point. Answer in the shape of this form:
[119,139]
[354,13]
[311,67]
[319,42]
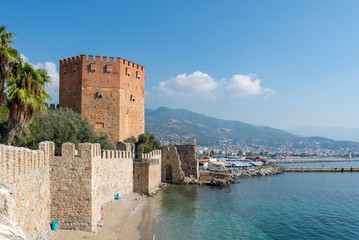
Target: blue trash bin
[117,196]
[54,225]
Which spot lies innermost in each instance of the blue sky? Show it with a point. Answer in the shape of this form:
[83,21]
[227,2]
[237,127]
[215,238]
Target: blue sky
[278,63]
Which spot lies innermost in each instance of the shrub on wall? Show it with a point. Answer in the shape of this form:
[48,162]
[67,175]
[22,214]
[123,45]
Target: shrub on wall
[60,126]
[145,143]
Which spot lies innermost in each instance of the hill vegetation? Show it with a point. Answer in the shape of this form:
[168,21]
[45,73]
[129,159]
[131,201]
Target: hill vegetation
[178,125]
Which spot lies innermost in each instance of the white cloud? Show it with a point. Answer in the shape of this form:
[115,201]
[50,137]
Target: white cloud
[25,59]
[247,85]
[194,84]
[203,85]
[51,69]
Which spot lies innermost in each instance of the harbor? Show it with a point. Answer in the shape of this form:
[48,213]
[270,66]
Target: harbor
[320,169]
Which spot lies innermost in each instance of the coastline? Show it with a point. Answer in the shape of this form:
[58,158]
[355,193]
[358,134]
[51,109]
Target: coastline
[312,160]
[127,218]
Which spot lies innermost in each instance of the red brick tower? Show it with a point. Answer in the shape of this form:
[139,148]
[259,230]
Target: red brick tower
[109,93]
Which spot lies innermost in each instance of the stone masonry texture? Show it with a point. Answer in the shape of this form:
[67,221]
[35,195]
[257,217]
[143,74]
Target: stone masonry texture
[71,188]
[147,172]
[26,173]
[179,161]
[109,93]
[81,183]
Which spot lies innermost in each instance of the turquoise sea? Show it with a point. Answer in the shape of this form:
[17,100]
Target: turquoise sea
[288,206]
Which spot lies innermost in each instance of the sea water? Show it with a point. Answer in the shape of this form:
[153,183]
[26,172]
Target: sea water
[287,206]
[321,164]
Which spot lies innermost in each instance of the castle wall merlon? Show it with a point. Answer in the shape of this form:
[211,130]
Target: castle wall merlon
[86,150]
[132,64]
[71,61]
[115,154]
[68,150]
[48,148]
[104,59]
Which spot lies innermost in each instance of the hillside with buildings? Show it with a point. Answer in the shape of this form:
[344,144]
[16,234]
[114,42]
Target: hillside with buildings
[172,125]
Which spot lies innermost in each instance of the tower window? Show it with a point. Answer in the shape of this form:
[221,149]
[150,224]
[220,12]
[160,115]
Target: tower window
[99,95]
[93,67]
[108,68]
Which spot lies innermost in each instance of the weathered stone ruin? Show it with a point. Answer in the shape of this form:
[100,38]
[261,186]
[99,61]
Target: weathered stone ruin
[179,163]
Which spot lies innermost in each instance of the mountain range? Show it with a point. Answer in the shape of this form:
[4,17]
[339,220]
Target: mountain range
[181,125]
[336,133]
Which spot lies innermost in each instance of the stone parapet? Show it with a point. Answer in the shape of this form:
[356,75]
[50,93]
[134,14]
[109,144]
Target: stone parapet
[81,183]
[147,172]
[26,173]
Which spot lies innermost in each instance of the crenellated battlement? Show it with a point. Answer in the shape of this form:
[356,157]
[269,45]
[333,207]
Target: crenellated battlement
[72,187]
[152,154]
[18,161]
[26,173]
[72,60]
[109,154]
[101,59]
[94,177]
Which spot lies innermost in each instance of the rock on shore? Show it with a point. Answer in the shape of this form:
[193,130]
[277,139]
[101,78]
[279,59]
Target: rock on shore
[265,171]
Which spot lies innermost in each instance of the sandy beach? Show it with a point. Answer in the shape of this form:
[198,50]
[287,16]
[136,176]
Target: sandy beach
[127,218]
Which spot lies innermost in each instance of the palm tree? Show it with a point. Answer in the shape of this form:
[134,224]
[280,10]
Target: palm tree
[26,94]
[8,57]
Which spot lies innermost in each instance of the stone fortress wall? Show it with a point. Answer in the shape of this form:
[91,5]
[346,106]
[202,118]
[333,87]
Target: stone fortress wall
[26,173]
[82,182]
[108,91]
[71,188]
[147,172]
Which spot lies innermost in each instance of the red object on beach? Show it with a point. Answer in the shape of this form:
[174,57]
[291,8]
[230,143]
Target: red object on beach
[101,209]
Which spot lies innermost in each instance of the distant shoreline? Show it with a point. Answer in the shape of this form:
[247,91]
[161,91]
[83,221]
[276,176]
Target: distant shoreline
[312,160]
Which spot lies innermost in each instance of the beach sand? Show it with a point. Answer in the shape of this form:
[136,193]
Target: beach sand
[126,218]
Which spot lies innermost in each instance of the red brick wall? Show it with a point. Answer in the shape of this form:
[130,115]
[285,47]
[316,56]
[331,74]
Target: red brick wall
[119,111]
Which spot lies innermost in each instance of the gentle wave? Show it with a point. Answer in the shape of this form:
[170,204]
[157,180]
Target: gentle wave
[288,206]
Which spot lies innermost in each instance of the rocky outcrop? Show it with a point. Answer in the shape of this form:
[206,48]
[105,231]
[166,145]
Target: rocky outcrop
[219,182]
[265,171]
[190,180]
[8,227]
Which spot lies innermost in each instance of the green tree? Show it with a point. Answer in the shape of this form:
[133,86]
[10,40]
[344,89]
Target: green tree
[60,126]
[26,94]
[145,143]
[8,57]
